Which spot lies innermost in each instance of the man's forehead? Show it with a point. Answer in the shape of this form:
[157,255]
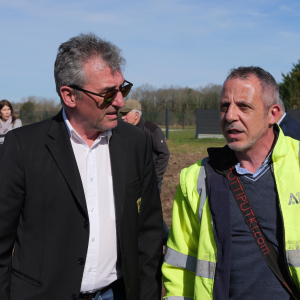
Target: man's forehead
[97,68]
[251,81]
[94,66]
[237,86]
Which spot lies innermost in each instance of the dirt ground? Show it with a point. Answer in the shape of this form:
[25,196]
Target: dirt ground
[171,180]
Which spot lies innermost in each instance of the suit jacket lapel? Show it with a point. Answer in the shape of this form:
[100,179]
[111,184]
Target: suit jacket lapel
[60,148]
[118,157]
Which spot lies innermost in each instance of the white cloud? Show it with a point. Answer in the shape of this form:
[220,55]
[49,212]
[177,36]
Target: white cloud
[257,14]
[290,34]
[290,10]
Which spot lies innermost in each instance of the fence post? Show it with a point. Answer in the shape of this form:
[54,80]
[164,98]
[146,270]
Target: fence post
[197,122]
[21,115]
[167,123]
[183,121]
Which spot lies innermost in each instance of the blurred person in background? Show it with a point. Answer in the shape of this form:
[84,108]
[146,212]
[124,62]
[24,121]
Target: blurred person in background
[287,123]
[132,113]
[8,120]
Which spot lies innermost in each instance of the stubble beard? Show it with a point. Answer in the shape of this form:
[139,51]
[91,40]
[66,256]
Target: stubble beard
[101,126]
[253,139]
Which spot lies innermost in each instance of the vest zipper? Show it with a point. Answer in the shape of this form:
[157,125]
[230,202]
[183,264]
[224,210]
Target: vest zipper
[283,231]
[214,232]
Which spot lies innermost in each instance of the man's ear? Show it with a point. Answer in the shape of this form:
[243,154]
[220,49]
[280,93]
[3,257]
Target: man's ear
[275,112]
[68,96]
[137,115]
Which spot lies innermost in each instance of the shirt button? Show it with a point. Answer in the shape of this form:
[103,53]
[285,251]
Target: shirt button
[93,240]
[86,224]
[90,270]
[81,261]
[92,179]
[92,209]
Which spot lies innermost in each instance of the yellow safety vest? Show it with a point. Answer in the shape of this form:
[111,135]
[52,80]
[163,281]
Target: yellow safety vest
[191,253]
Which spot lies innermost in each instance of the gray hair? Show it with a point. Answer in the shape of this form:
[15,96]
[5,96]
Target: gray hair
[136,110]
[269,87]
[68,67]
[281,104]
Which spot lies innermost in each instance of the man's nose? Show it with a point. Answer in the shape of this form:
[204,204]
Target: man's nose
[231,114]
[118,100]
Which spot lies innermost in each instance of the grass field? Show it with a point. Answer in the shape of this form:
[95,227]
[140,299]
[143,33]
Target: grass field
[183,141]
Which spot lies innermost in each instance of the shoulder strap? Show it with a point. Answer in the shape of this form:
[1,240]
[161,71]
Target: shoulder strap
[265,247]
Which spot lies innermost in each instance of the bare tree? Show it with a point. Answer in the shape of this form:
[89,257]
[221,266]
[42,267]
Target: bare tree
[177,99]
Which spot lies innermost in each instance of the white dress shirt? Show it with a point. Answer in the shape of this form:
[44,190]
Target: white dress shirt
[95,170]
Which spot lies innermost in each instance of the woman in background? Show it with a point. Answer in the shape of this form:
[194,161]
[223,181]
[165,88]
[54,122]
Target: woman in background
[8,119]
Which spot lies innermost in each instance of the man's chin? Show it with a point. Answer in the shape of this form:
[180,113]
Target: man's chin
[236,146]
[112,124]
[107,126]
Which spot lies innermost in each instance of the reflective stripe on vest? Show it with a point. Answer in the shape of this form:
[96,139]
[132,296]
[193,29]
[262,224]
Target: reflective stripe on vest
[293,258]
[201,186]
[177,298]
[205,269]
[202,268]
[177,259]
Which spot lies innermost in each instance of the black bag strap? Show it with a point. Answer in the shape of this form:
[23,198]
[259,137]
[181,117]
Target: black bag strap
[223,160]
[265,247]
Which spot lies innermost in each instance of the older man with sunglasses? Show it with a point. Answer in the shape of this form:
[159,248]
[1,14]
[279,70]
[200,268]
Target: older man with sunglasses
[79,201]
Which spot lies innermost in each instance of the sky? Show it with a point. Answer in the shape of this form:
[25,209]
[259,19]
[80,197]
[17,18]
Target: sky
[187,43]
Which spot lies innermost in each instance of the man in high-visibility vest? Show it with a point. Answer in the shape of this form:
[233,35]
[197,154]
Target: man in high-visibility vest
[236,215]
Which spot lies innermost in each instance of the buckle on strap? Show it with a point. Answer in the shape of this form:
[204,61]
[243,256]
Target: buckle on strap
[87,296]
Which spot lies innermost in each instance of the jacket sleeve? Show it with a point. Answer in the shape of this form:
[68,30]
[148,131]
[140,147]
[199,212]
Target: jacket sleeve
[11,202]
[161,150]
[150,233]
[181,254]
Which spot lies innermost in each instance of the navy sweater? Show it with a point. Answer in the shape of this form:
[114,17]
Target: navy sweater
[240,265]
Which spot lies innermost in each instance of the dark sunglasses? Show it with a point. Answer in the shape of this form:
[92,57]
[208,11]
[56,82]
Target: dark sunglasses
[125,89]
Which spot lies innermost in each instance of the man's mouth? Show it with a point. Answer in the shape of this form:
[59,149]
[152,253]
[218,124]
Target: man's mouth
[234,133]
[112,114]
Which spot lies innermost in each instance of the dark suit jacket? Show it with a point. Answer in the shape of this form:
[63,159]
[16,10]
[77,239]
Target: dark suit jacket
[43,213]
[290,127]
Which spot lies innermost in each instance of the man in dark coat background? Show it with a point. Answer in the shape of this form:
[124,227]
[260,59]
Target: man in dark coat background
[79,202]
[132,113]
[288,124]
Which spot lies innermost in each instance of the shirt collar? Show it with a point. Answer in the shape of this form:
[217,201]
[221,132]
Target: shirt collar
[264,165]
[281,119]
[77,138]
